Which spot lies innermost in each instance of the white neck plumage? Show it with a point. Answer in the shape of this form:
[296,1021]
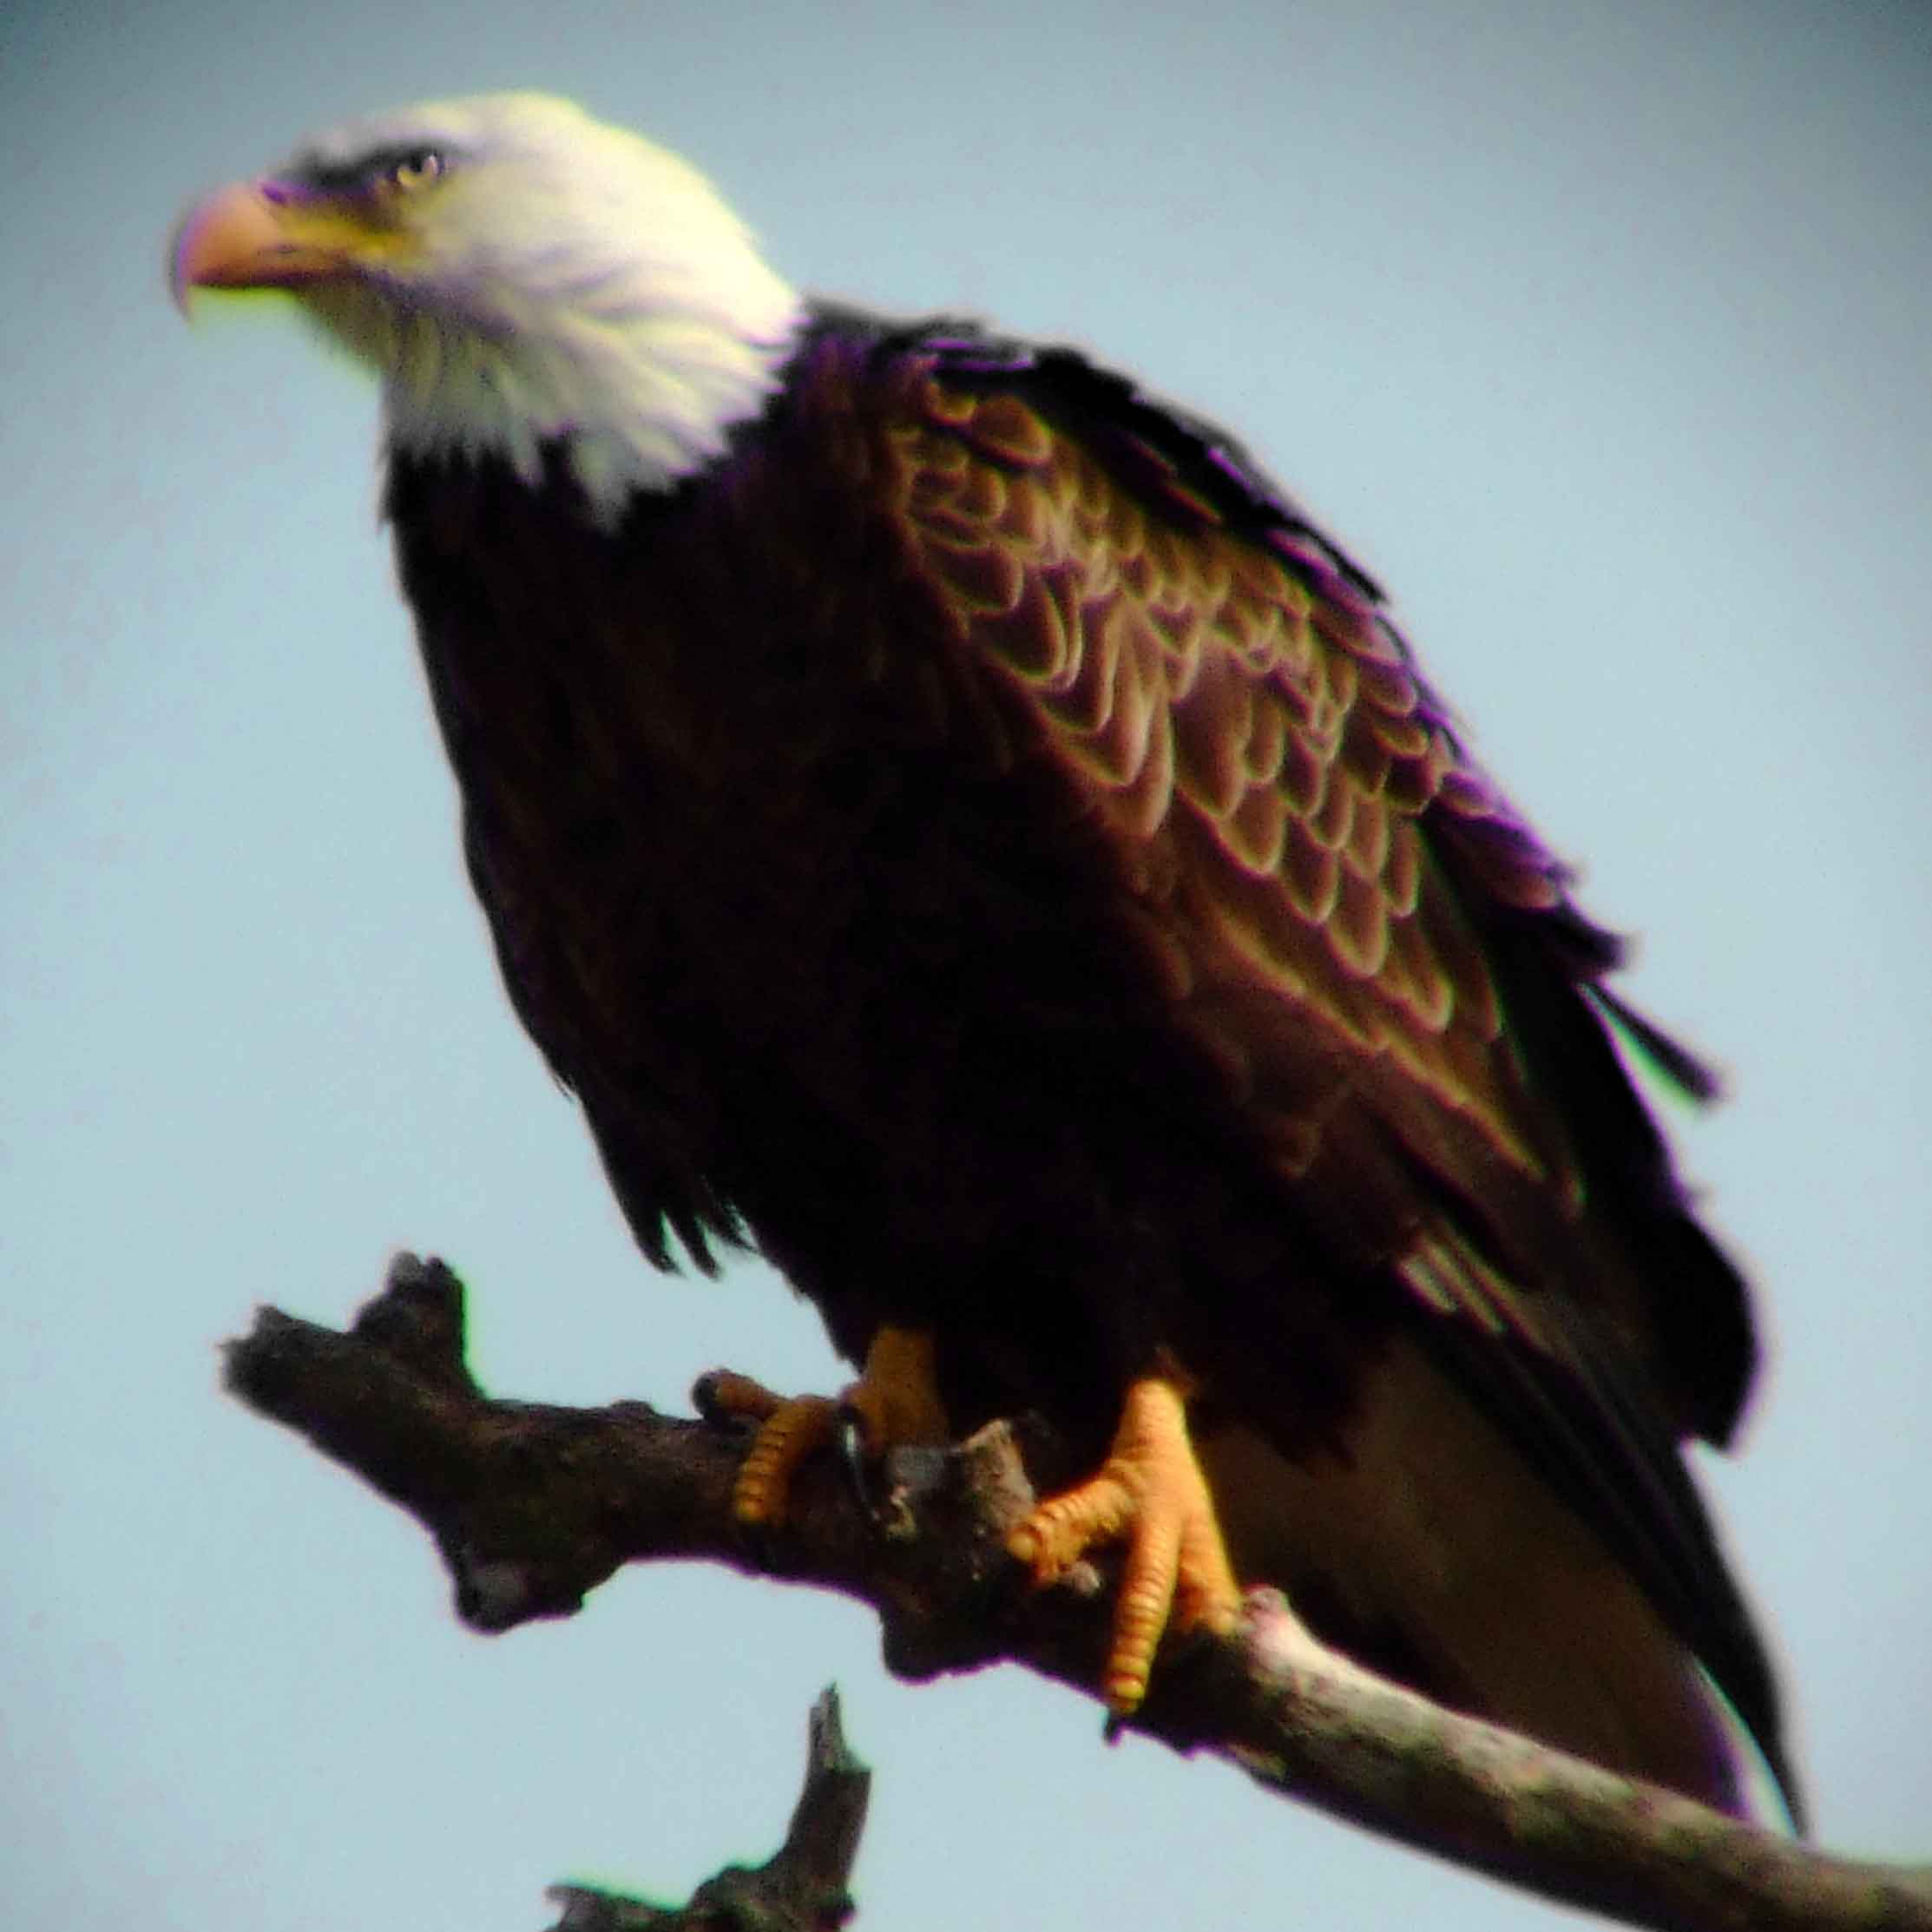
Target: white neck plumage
[637,397]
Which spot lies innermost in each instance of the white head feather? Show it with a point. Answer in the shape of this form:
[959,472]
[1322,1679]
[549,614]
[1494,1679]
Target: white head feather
[562,281]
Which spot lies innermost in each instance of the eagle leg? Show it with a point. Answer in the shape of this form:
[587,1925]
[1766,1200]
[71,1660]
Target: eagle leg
[896,1400]
[1150,1492]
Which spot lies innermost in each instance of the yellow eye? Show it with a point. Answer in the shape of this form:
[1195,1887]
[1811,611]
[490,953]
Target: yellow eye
[414,171]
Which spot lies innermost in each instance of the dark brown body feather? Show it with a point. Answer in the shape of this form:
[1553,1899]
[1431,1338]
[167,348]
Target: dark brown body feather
[980,841]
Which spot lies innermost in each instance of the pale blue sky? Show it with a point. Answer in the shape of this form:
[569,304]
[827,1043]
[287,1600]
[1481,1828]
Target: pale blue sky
[1600,332]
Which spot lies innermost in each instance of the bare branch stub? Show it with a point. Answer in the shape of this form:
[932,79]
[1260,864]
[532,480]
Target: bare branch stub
[804,1887]
[533,1506]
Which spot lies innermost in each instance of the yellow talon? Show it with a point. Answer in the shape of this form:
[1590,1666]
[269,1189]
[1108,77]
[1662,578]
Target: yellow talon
[896,1400]
[1150,1491]
[785,1439]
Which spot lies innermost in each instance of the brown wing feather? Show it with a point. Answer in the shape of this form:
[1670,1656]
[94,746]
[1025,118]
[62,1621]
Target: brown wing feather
[1362,936]
[1279,788]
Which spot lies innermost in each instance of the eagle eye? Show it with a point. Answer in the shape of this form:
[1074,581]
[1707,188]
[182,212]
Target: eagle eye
[415,169]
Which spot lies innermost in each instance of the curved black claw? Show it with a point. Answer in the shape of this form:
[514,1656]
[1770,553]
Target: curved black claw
[856,1461]
[703,1399]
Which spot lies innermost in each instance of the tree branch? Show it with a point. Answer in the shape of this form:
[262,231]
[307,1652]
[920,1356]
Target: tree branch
[534,1506]
[802,1887]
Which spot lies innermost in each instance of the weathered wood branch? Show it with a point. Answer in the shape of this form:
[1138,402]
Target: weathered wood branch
[534,1506]
[804,1887]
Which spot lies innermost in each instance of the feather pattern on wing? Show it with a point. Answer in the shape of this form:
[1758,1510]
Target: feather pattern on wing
[1361,932]
[1376,948]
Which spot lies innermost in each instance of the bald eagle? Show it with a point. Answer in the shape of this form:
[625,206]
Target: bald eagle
[954,821]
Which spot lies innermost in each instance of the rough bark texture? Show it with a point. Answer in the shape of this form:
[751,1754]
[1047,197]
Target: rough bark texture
[533,1506]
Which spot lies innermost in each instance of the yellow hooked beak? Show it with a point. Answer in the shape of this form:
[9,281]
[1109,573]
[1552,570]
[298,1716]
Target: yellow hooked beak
[269,235]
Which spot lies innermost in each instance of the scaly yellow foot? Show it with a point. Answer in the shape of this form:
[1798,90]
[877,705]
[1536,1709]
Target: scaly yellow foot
[1151,1492]
[896,1400]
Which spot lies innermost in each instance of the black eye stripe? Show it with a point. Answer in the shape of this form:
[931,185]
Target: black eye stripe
[367,170]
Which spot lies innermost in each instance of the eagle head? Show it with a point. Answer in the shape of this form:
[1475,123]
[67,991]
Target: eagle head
[518,274]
